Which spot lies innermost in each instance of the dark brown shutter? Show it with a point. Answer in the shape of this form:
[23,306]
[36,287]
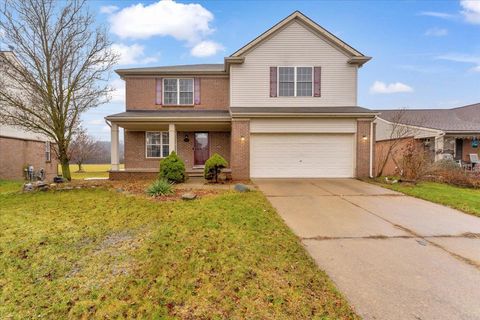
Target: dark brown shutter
[317,82]
[197,90]
[273,81]
[158,96]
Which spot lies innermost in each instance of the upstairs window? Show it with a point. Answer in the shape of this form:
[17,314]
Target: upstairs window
[177,91]
[295,81]
[156,143]
[48,153]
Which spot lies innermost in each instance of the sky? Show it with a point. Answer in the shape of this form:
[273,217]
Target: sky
[425,54]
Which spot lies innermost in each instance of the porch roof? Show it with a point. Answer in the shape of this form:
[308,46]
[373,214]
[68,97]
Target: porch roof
[170,115]
[184,120]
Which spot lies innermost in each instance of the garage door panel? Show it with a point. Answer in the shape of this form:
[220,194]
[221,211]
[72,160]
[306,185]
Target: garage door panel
[301,155]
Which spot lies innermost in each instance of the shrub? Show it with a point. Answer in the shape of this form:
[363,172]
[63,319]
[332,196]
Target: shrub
[172,168]
[415,163]
[213,167]
[160,187]
[447,165]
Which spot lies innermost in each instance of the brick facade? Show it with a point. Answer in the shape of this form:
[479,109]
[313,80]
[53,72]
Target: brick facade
[240,150]
[219,142]
[17,153]
[135,157]
[363,148]
[141,94]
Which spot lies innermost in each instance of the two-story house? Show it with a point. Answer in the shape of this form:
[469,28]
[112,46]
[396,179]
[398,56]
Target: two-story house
[282,106]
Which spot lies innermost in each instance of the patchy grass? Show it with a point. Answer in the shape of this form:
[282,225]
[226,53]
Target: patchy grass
[9,186]
[96,253]
[91,171]
[464,199]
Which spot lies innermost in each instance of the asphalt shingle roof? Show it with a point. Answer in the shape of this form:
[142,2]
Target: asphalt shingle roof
[465,118]
[212,67]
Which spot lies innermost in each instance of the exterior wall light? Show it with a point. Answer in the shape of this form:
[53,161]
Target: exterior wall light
[242,138]
[364,138]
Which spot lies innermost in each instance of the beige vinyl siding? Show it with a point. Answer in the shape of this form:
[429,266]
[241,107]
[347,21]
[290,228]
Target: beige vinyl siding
[384,131]
[303,125]
[295,45]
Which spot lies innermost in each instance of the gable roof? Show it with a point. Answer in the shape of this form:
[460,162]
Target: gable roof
[466,118]
[357,56]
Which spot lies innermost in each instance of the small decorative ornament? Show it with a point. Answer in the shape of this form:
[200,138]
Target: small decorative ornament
[186,139]
[475,143]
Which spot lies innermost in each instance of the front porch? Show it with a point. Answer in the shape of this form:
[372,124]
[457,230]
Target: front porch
[147,142]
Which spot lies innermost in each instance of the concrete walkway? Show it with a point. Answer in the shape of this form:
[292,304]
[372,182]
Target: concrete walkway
[392,256]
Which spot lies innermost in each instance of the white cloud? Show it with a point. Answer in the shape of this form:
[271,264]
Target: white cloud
[436,32]
[133,54]
[463,58]
[471,11]
[206,49]
[379,87]
[118,94]
[96,122]
[105,128]
[441,15]
[186,22]
[108,9]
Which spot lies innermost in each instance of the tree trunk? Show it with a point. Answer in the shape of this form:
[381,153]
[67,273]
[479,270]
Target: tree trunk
[79,167]
[65,169]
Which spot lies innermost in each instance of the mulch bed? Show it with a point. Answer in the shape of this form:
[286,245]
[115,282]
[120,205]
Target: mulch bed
[136,188]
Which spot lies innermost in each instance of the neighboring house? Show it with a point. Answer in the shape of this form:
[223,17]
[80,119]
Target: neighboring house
[19,149]
[282,106]
[443,133]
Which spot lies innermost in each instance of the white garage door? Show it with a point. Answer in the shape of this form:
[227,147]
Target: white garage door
[297,155]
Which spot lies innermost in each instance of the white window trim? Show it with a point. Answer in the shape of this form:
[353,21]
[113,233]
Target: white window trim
[178,91]
[48,152]
[294,81]
[161,143]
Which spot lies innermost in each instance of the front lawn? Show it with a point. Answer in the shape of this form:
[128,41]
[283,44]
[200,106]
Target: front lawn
[464,199]
[90,171]
[98,253]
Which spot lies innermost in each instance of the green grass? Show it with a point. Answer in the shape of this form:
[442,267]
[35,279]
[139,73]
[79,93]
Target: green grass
[91,171]
[96,253]
[464,199]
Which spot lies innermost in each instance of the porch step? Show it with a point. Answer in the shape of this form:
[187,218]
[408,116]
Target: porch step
[195,173]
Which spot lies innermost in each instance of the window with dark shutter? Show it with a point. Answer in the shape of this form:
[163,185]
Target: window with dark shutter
[158,96]
[273,81]
[317,74]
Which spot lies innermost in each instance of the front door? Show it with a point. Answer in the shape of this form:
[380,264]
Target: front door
[201,148]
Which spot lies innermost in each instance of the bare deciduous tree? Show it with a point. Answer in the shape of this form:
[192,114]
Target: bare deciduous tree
[60,69]
[82,148]
[388,149]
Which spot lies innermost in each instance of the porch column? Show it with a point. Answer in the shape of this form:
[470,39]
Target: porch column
[115,156]
[439,146]
[172,138]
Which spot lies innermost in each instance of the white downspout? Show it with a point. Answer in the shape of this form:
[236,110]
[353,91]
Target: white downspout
[371,148]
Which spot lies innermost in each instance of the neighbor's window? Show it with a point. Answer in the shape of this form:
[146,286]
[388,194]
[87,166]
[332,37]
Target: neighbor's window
[156,144]
[295,81]
[48,155]
[177,91]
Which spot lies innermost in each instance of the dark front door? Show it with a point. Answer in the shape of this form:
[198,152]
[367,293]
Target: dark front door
[200,148]
[459,149]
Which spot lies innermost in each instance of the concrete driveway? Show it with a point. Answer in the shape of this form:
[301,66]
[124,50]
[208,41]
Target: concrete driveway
[392,256]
